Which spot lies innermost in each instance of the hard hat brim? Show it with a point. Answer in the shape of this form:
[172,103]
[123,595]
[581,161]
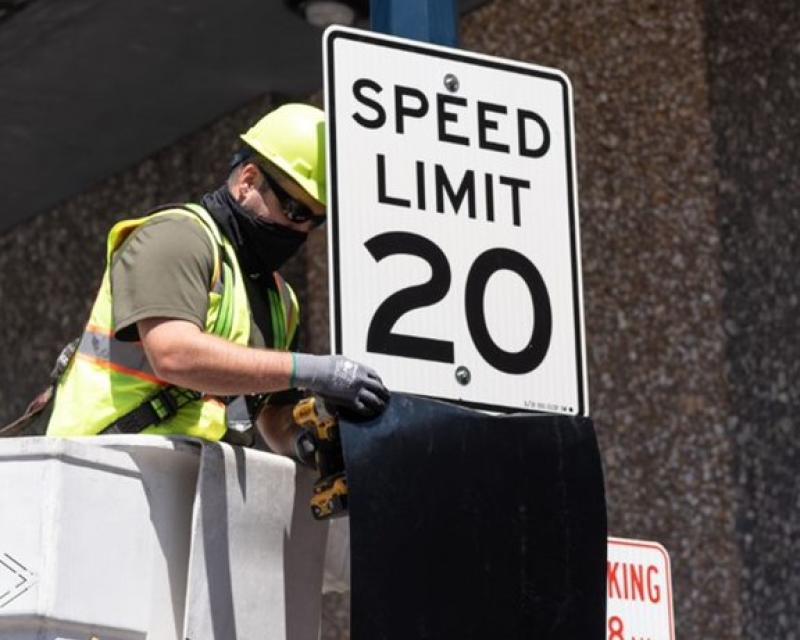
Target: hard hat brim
[309,185]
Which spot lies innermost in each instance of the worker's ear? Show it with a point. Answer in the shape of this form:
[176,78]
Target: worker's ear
[251,175]
[248,179]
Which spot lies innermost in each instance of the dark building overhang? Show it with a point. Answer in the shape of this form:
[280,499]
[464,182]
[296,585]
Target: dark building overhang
[89,87]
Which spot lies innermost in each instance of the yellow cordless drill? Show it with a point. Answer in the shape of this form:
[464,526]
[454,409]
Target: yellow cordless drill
[322,425]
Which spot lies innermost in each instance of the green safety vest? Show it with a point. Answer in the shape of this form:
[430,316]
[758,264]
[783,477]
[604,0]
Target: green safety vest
[108,378]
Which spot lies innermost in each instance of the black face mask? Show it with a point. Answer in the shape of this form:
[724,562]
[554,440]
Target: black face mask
[261,246]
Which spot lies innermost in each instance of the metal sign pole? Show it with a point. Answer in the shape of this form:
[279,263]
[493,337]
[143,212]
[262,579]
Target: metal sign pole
[434,21]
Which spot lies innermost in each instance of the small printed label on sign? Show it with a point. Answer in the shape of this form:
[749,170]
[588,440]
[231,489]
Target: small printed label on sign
[639,591]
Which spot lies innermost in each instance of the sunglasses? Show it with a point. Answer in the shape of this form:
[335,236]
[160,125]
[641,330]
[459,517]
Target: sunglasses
[295,210]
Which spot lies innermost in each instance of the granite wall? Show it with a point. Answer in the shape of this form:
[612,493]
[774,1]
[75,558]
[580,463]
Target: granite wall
[754,84]
[690,196]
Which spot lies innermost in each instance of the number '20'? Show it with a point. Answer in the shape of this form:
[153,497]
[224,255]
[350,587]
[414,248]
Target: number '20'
[381,338]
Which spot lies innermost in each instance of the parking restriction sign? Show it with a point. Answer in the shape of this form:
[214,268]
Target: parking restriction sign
[639,591]
[453,223]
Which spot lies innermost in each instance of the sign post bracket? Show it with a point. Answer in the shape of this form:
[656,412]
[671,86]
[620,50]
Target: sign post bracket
[434,21]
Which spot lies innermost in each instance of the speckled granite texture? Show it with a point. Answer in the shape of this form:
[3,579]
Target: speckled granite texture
[754,77]
[689,171]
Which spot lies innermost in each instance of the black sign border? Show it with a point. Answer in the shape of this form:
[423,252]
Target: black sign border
[333,34]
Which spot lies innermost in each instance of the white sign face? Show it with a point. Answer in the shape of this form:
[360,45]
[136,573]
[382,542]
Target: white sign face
[453,223]
[639,596]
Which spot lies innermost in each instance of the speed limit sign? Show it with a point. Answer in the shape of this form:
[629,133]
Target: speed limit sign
[455,257]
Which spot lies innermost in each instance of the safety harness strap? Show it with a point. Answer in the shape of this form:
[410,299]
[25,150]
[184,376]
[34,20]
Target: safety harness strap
[160,407]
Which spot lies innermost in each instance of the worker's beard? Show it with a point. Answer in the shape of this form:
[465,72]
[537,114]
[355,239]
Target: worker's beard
[261,246]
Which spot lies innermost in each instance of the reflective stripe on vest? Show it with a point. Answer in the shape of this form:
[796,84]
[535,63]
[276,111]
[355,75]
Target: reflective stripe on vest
[125,357]
[108,378]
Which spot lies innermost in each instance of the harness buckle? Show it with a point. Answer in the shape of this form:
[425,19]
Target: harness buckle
[168,402]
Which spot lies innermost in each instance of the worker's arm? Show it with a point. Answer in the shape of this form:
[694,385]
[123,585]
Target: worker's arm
[183,355]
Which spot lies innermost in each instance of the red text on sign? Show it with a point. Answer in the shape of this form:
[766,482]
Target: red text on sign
[628,581]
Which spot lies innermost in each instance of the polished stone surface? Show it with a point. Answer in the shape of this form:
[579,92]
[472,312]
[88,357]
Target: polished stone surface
[754,66]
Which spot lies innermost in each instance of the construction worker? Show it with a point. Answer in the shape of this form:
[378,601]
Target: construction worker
[192,311]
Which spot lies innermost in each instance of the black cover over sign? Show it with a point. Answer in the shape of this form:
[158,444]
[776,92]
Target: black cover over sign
[470,526]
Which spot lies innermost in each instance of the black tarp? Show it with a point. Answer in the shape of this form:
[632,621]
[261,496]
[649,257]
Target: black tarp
[466,525]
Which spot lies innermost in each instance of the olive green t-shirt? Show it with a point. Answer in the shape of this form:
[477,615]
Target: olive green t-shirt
[164,270]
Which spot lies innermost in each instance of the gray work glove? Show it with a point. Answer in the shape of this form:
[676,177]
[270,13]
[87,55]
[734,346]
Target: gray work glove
[342,381]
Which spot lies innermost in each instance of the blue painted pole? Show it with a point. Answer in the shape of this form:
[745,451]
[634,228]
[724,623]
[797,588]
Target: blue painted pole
[433,21]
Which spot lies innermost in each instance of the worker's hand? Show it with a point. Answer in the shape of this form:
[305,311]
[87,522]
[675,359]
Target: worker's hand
[342,381]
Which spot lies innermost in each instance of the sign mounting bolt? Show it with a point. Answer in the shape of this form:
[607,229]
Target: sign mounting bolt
[451,83]
[463,376]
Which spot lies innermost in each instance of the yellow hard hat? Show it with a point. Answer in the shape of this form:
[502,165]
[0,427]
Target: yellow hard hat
[293,138]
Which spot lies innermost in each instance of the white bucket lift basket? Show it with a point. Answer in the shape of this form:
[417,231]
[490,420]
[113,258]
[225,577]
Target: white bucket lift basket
[145,537]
